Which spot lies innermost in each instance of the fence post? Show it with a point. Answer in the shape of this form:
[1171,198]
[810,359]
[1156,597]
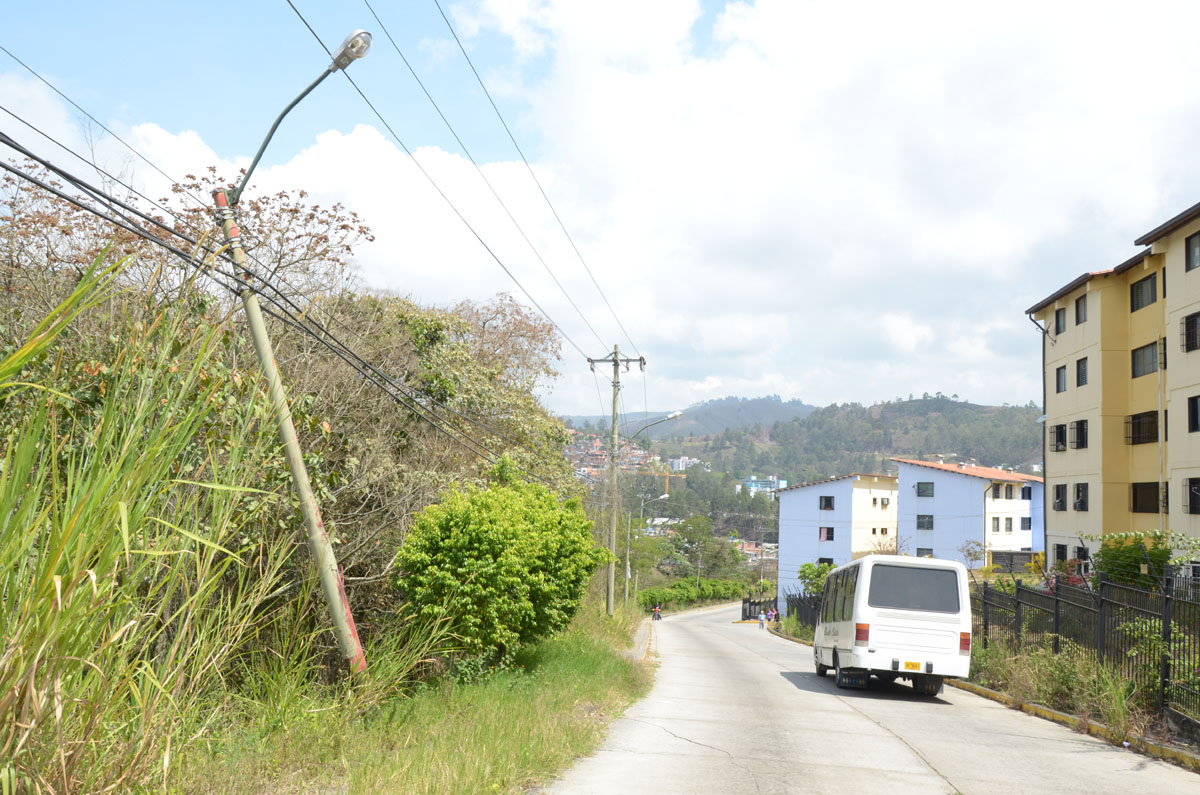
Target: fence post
[1101,616]
[1057,616]
[1164,684]
[984,600]
[1018,613]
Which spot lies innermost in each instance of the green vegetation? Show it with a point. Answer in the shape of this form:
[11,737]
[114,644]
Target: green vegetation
[812,577]
[500,733]
[1137,561]
[688,592]
[509,563]
[707,418]
[791,625]
[1071,681]
[854,438]
[159,595]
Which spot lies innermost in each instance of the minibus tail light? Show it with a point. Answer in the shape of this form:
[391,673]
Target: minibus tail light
[964,643]
[861,632]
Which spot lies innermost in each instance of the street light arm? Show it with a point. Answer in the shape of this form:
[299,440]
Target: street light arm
[237,192]
[674,415]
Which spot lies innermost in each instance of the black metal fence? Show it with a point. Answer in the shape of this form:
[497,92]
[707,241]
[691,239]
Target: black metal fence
[805,607]
[752,607]
[1151,637]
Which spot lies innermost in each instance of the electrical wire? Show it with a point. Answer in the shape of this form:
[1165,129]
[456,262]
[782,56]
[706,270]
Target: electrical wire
[437,187]
[280,312]
[482,175]
[536,181]
[304,313]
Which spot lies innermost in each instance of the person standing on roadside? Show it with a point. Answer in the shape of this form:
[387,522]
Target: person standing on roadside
[762,619]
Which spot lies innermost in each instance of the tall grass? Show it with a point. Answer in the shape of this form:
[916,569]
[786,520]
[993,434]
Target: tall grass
[496,733]
[133,568]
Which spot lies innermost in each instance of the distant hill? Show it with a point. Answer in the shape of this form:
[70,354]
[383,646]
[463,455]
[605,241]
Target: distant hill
[839,439]
[704,419]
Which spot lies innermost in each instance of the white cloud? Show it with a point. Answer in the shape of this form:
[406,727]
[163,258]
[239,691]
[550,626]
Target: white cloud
[827,201]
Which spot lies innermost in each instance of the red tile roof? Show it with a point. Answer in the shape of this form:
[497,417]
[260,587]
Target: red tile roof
[987,473]
[839,477]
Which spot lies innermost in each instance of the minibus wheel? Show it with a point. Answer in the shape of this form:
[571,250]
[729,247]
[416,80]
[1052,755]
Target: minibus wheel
[839,676]
[927,685]
[821,669]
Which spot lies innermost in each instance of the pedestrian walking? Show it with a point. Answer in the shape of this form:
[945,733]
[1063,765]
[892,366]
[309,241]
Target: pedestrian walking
[657,613]
[762,620]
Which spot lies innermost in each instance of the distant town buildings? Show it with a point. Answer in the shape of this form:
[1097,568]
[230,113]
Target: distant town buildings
[834,521]
[1108,336]
[682,464]
[944,506]
[588,454]
[755,485]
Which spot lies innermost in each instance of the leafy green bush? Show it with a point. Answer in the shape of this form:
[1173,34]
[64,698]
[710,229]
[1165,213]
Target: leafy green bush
[1120,559]
[687,592]
[505,564]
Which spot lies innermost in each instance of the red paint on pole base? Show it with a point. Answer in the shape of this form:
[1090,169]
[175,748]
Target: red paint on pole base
[357,659]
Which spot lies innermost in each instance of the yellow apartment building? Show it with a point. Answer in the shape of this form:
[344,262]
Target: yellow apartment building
[1121,369]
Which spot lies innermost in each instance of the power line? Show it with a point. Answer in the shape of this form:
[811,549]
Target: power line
[536,181]
[482,175]
[304,313]
[283,314]
[437,187]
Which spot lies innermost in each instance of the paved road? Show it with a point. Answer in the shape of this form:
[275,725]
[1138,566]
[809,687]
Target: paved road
[737,710]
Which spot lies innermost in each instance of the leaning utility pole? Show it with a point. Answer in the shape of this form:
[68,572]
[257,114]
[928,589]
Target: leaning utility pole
[617,361]
[318,539]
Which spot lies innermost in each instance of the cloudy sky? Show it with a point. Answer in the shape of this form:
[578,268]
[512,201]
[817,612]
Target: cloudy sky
[845,201]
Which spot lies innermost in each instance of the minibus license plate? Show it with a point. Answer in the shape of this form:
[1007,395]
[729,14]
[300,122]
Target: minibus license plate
[912,666]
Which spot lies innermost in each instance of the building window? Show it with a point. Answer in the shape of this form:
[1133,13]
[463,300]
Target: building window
[1060,321]
[1026,523]
[1081,496]
[995,491]
[1141,428]
[1058,437]
[884,502]
[1081,371]
[1060,553]
[1060,497]
[874,531]
[883,531]
[1145,360]
[1143,292]
[924,488]
[924,521]
[826,534]
[874,501]
[924,552]
[1143,497]
[826,503]
[1079,434]
[1191,495]
[824,561]
[1189,332]
[1080,309]
[1194,414]
[1191,247]
[1008,492]
[995,524]
[1027,492]
[1060,379]
[1008,524]
[1082,553]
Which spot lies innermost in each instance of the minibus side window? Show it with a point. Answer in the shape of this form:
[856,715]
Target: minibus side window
[827,600]
[848,600]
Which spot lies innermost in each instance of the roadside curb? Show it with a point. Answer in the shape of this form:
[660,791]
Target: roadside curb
[1141,745]
[1137,743]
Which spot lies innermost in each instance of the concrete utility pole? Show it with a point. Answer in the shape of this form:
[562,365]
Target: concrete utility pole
[617,361]
[354,47]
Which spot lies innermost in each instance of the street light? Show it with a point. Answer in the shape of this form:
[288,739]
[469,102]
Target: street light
[354,47]
[628,533]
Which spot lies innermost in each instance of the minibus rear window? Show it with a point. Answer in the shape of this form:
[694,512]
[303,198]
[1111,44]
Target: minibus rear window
[914,588]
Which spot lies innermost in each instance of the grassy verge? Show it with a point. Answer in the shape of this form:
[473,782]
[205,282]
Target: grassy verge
[1071,681]
[500,733]
[790,625]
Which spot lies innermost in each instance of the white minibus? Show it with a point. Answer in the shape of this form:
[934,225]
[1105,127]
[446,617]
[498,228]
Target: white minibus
[897,618]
